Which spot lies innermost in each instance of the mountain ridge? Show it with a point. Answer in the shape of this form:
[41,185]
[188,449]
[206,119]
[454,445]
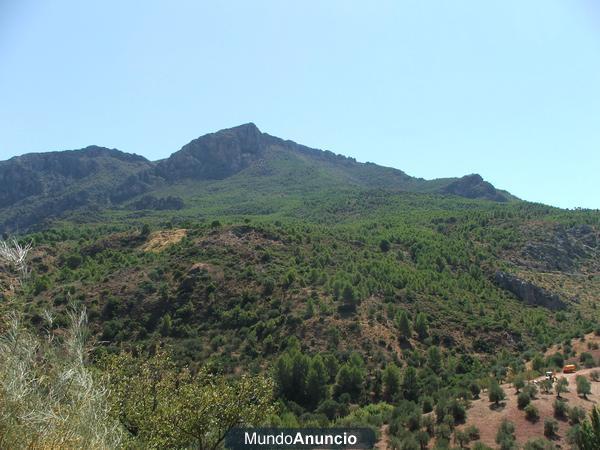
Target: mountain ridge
[37,187]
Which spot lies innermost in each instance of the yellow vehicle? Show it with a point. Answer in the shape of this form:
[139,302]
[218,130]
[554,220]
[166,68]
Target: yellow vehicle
[569,368]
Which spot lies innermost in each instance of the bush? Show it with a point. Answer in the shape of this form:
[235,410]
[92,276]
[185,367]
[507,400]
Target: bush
[496,393]
[462,438]
[475,389]
[505,438]
[595,375]
[427,404]
[561,386]
[550,428]
[539,444]
[576,415]
[583,386]
[473,432]
[523,400]
[531,390]
[587,359]
[48,395]
[480,446]
[458,411]
[384,245]
[188,410]
[531,413]
[560,409]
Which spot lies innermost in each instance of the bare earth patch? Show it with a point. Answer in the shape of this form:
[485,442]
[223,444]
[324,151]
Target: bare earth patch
[488,420]
[159,240]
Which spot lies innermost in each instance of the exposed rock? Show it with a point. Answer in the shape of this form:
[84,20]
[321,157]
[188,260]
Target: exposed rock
[529,292]
[40,187]
[561,248]
[214,156]
[473,186]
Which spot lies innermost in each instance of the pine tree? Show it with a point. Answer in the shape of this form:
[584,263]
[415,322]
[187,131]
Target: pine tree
[350,378]
[300,366]
[316,382]
[391,382]
[434,359]
[283,375]
[410,387]
[421,326]
[589,436]
[403,324]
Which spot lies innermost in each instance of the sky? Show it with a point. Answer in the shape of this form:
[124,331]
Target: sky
[507,89]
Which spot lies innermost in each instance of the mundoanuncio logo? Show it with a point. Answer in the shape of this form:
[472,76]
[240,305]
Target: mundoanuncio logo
[300,438]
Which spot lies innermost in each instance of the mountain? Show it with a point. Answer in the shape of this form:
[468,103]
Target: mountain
[37,188]
[367,295]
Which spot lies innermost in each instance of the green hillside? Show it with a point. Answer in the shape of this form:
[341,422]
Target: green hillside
[365,295]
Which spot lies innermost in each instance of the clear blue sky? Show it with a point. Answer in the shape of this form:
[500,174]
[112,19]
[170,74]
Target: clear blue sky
[508,89]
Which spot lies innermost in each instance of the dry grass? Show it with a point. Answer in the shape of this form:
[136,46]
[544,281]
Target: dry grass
[48,396]
[160,240]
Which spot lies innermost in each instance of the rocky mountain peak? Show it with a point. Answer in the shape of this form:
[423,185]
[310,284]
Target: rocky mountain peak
[215,155]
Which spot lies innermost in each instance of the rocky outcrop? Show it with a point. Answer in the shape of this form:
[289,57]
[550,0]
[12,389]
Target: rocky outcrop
[529,292]
[473,186]
[560,248]
[215,156]
[40,187]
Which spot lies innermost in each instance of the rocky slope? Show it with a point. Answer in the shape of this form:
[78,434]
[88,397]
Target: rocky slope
[38,187]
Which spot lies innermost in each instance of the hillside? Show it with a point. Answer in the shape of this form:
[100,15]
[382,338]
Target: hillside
[367,296]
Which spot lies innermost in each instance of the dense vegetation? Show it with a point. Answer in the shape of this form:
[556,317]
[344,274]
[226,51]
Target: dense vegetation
[295,287]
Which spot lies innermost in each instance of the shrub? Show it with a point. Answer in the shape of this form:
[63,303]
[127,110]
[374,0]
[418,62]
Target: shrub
[518,383]
[473,432]
[427,404]
[550,428]
[475,389]
[539,444]
[560,409]
[531,413]
[505,438]
[583,386]
[480,446]
[531,390]
[461,438]
[595,375]
[587,359]
[458,411]
[561,386]
[496,393]
[576,415]
[523,400]
[384,245]
[48,394]
[188,410]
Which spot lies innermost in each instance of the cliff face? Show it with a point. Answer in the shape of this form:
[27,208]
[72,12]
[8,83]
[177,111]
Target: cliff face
[473,186]
[39,186]
[529,292]
[215,156]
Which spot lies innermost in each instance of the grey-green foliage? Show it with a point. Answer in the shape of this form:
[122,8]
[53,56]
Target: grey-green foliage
[48,396]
